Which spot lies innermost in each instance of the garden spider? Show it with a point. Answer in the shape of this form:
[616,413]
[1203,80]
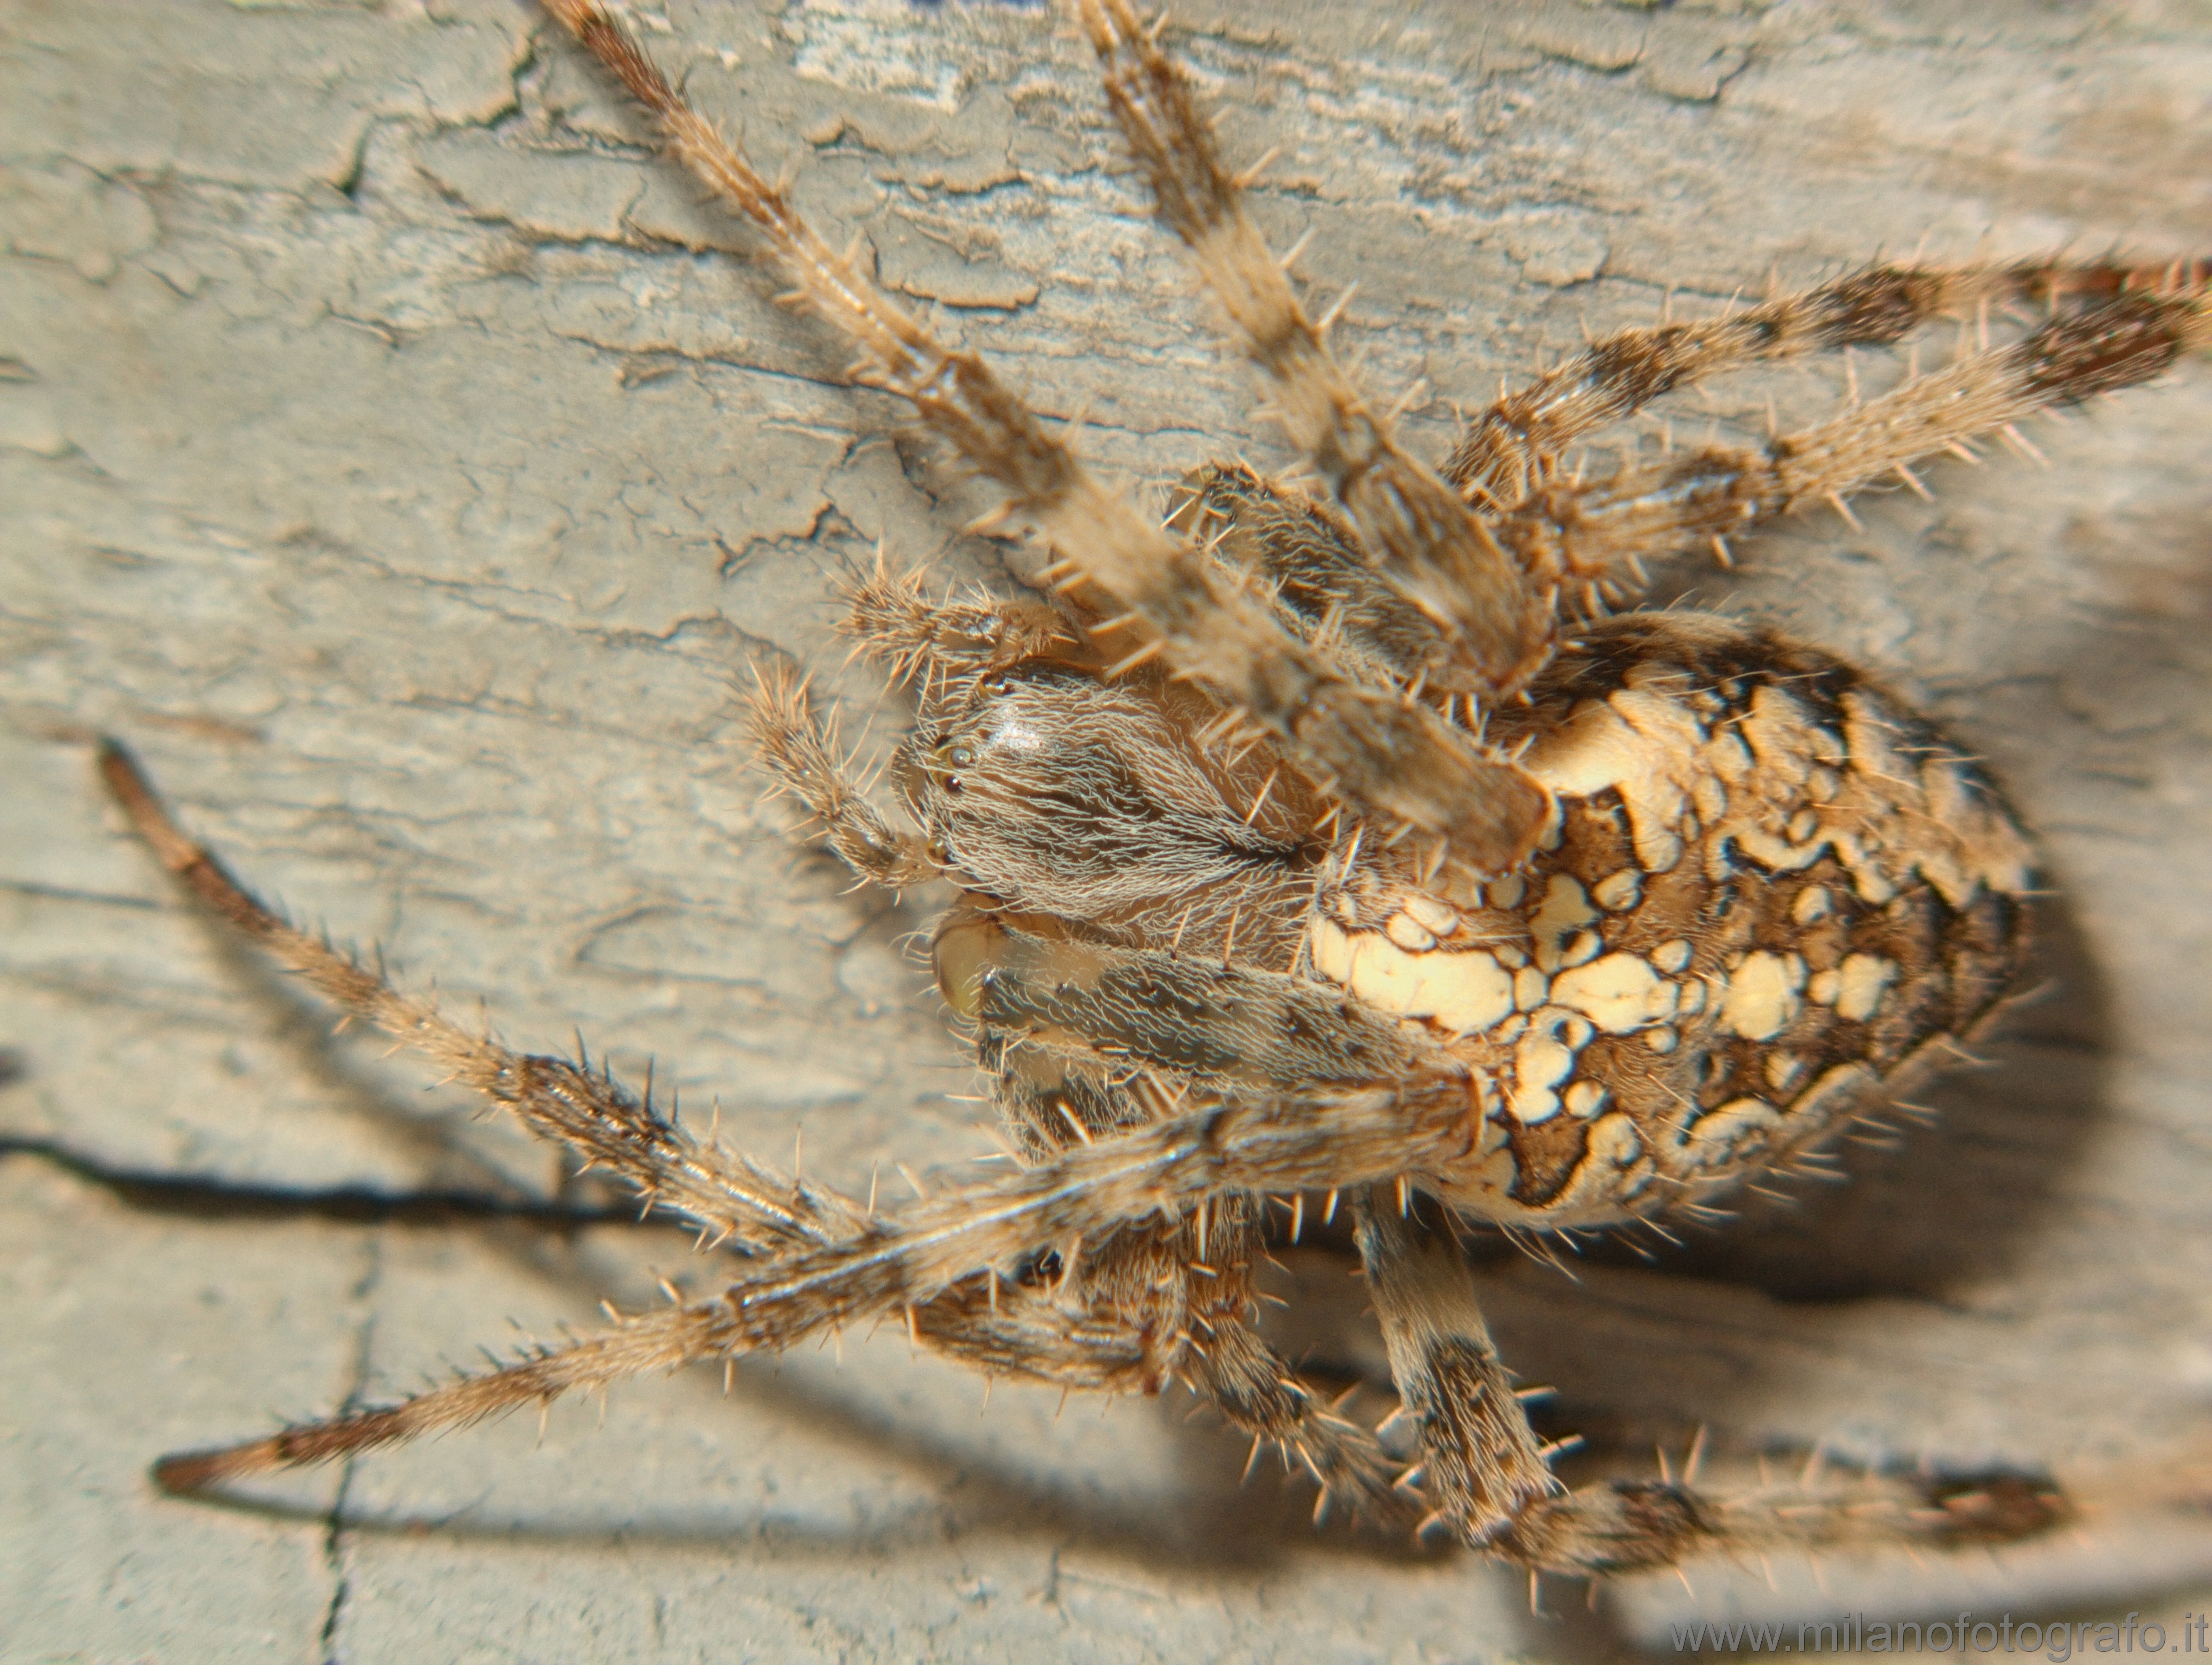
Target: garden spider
[1253,947]
[1552,917]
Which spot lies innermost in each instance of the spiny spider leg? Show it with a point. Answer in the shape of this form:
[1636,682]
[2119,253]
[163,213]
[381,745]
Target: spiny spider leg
[665,1340]
[1479,1458]
[1189,1291]
[1388,756]
[1324,585]
[1489,1477]
[1515,446]
[1088,1193]
[1653,509]
[732,1198]
[935,644]
[980,1320]
[801,751]
[1252,1385]
[1490,629]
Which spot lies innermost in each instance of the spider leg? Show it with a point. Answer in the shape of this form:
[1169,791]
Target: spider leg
[800,749]
[1186,1290]
[1223,1024]
[966,1236]
[1011,1331]
[1488,630]
[941,648]
[1394,758]
[994,1326]
[663,1340]
[731,1198]
[1636,1526]
[1514,448]
[1324,588]
[1479,1458]
[1587,533]
[1491,1482]
[1257,1391]
[1001,1331]
[892,621]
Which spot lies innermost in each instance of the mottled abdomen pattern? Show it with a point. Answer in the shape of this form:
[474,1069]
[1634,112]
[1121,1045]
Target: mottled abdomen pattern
[1772,895]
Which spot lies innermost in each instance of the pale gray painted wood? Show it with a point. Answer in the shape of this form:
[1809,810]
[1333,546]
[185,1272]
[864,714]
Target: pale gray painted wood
[375,470]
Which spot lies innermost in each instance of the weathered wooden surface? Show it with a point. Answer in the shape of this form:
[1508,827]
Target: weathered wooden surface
[387,476]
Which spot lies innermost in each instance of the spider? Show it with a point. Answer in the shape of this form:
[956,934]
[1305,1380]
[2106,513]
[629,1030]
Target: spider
[1339,841]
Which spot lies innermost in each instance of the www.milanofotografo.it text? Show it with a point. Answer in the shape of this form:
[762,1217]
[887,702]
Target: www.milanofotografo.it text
[2056,1641]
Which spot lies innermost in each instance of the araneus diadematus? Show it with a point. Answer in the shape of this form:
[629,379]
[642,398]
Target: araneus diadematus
[1302,773]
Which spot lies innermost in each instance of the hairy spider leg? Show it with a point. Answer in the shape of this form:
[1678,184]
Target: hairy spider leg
[1515,447]
[731,1198]
[1488,629]
[1492,1482]
[937,646]
[799,747]
[1480,1460]
[1587,533]
[1313,567]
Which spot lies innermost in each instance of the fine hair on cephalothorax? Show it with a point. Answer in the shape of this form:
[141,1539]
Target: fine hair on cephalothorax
[1344,836]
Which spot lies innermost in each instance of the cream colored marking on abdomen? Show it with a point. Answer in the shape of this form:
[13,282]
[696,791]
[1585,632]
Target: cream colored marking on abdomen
[1617,892]
[1598,746]
[1431,912]
[1741,1130]
[1861,982]
[1561,917]
[1543,1058]
[1762,998]
[1463,992]
[1620,993]
[1531,989]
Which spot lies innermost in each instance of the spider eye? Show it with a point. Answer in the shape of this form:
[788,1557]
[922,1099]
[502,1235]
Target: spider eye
[952,783]
[961,757]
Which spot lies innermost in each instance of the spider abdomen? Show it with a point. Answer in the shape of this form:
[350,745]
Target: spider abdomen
[1773,891]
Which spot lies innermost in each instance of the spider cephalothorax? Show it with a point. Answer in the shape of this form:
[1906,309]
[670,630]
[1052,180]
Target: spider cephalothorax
[1334,839]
